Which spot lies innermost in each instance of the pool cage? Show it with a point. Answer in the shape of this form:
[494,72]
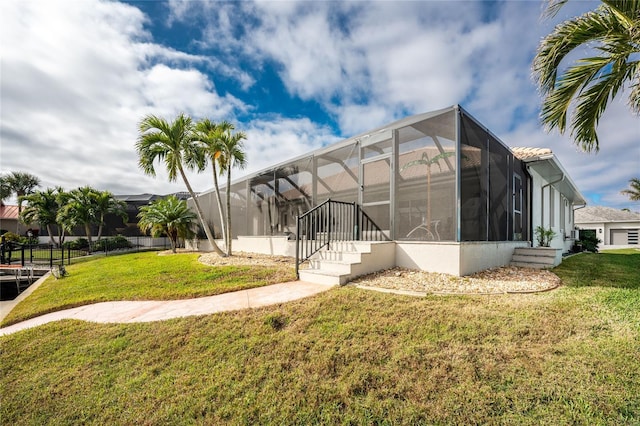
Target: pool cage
[438,176]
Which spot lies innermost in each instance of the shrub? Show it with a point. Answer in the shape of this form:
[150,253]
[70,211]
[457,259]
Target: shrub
[589,240]
[113,243]
[544,236]
[10,236]
[79,244]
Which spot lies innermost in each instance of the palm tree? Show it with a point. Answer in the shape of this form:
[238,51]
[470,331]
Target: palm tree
[589,83]
[168,216]
[20,184]
[209,136]
[81,209]
[634,192]
[5,190]
[106,203]
[42,207]
[233,155]
[173,144]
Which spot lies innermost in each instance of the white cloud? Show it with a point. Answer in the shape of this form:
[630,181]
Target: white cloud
[76,79]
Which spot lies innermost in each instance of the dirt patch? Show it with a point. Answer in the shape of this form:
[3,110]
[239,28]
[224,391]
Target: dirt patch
[242,258]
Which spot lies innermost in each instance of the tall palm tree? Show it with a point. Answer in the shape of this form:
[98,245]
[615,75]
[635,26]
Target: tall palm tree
[173,144]
[81,209]
[168,216]
[612,30]
[233,155]
[209,136]
[634,192]
[42,208]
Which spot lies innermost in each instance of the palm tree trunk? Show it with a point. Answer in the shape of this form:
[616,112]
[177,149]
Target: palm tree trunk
[100,226]
[87,230]
[223,223]
[429,198]
[51,240]
[228,208]
[204,224]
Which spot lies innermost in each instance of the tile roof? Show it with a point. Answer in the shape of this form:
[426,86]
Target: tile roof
[8,212]
[604,214]
[524,153]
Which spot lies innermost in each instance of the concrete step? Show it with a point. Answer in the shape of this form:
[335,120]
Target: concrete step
[351,246]
[542,260]
[538,252]
[343,256]
[323,277]
[332,266]
[531,265]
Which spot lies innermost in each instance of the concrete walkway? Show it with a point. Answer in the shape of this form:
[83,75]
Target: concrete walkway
[146,311]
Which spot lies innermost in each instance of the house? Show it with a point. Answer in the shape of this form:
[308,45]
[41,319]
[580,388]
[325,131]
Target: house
[9,220]
[612,226]
[444,193]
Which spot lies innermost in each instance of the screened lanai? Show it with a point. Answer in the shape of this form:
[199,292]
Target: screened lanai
[438,176]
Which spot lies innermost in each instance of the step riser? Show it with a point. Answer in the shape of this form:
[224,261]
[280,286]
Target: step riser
[534,252]
[531,265]
[349,257]
[533,259]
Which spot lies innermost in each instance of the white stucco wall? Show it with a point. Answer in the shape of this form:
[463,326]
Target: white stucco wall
[455,258]
[478,256]
[434,257]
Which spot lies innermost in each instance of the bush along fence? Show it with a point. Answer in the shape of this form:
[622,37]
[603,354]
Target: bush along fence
[12,252]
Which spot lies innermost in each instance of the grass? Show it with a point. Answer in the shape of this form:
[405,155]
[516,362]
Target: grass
[349,356]
[142,276]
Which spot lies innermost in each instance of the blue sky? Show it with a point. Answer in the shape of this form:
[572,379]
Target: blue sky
[77,76]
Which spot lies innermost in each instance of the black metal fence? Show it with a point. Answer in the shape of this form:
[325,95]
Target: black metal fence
[333,221]
[49,255]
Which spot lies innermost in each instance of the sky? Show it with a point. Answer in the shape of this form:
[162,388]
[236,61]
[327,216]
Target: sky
[76,78]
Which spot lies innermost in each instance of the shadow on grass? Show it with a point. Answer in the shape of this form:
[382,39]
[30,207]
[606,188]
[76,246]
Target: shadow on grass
[616,269]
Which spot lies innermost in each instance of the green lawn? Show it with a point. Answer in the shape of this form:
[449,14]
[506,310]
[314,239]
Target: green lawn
[142,276]
[349,356]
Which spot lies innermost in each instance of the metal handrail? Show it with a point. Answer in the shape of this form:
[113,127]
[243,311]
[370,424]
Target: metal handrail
[329,222]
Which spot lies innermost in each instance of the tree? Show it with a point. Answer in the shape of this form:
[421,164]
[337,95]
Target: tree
[168,216]
[106,203]
[42,207]
[174,144]
[634,192]
[81,209]
[233,155]
[20,184]
[208,134]
[5,190]
[591,82]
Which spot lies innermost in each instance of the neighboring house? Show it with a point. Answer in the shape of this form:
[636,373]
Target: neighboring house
[114,224]
[9,220]
[449,194]
[612,226]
